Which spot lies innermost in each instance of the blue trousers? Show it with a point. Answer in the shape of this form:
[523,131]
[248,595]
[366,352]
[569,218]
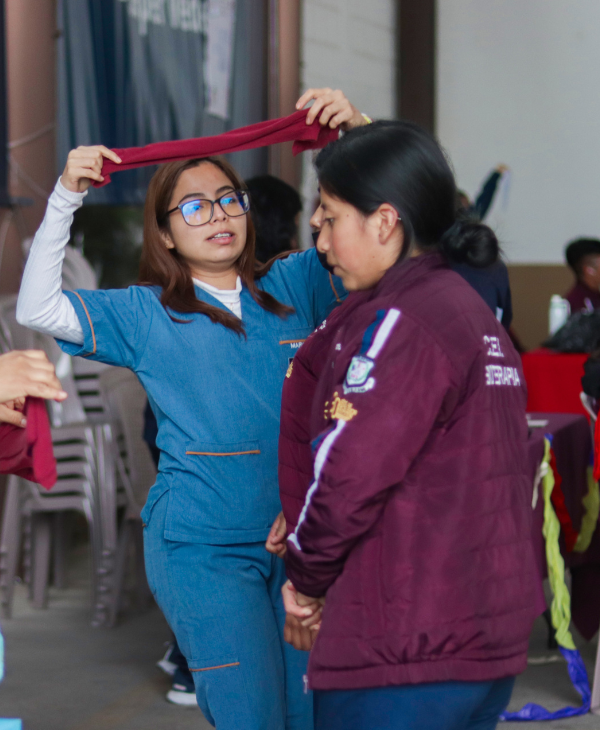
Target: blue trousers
[435,706]
[224,605]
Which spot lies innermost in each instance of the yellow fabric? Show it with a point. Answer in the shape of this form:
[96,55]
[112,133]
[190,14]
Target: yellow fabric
[591,502]
[560,609]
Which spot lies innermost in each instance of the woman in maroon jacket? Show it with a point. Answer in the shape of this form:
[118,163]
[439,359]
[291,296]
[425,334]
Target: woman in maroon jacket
[417,525]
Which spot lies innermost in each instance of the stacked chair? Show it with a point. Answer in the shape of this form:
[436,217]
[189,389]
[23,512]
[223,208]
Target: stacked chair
[101,465]
[134,470]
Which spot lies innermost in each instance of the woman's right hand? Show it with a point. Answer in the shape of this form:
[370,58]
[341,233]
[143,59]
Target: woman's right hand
[84,164]
[23,373]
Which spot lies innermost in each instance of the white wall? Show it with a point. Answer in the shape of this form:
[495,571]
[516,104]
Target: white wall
[348,45]
[518,81]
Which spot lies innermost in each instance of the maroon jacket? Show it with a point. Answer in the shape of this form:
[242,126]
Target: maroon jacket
[579,296]
[418,524]
[295,456]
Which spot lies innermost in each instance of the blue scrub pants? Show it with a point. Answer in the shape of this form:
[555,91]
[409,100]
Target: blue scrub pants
[224,605]
[435,706]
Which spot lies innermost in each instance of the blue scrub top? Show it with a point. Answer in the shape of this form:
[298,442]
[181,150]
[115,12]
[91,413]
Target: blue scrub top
[216,395]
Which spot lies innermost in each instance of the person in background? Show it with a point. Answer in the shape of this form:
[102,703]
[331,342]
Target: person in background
[275,209]
[491,282]
[583,256]
[417,527]
[275,206]
[483,202]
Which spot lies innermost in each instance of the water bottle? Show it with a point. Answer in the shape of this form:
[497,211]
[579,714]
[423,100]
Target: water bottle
[558,314]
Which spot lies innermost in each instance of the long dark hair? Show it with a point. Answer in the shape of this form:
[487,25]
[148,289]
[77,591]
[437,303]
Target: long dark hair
[401,164]
[165,267]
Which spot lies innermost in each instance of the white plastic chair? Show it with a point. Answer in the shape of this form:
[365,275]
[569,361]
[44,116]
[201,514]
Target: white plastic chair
[77,272]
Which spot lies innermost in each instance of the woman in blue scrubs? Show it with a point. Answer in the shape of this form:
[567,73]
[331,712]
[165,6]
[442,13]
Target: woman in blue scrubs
[210,336]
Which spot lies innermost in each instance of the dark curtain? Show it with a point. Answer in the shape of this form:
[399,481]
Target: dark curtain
[127,81]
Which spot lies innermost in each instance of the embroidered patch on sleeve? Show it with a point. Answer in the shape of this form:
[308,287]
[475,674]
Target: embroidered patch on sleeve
[341,409]
[357,377]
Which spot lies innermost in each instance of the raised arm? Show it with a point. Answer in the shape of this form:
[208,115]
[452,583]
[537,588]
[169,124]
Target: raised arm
[42,305]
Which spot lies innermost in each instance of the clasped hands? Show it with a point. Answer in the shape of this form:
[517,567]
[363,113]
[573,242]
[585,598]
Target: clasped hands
[303,614]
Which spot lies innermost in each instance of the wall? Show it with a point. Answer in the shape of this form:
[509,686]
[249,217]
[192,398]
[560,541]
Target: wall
[348,45]
[30,24]
[516,83]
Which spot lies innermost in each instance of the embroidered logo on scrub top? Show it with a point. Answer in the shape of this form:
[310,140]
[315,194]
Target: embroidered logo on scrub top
[341,409]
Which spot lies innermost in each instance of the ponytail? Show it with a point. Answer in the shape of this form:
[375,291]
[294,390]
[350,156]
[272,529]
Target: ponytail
[399,163]
[468,241]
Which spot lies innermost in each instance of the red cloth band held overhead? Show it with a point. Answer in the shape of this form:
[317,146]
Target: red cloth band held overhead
[287,129]
[27,452]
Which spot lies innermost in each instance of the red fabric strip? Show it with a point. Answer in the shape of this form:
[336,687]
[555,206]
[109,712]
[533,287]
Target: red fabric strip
[27,452]
[558,502]
[287,129]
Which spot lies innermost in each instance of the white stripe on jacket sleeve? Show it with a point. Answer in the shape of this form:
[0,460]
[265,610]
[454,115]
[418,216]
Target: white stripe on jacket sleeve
[383,332]
[321,456]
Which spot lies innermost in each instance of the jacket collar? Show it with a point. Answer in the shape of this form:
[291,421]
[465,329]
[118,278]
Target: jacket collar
[405,274]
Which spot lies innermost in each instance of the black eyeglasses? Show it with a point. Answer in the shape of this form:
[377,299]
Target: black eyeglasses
[200,212]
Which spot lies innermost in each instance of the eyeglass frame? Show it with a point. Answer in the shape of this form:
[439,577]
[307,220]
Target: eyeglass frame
[212,207]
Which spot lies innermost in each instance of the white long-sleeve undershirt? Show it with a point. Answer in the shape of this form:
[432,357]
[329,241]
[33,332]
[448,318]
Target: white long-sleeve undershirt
[42,305]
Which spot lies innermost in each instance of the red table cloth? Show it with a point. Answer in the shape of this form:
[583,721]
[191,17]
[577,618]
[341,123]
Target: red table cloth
[292,128]
[554,381]
[571,443]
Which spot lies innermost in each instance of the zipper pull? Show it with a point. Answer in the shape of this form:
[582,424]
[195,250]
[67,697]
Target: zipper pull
[305,680]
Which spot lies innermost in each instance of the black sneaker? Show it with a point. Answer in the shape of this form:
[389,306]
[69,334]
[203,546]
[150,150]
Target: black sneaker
[183,691]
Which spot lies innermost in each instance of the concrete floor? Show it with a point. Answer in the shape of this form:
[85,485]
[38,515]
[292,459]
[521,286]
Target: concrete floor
[61,674]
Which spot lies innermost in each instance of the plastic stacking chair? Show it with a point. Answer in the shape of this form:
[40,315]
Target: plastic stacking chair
[125,400]
[77,272]
[31,515]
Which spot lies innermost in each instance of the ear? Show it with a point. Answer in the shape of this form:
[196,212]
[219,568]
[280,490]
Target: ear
[388,219]
[168,241]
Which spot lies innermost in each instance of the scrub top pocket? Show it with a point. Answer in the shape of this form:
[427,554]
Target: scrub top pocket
[230,490]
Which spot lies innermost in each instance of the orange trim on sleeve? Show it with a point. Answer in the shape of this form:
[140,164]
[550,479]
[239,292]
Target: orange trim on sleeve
[213,453]
[93,352]
[337,296]
[221,666]
[290,342]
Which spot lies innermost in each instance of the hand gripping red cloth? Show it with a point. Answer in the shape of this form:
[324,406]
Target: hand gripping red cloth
[287,129]
[27,452]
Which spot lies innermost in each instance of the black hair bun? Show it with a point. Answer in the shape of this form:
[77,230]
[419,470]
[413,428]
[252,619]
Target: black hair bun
[471,242]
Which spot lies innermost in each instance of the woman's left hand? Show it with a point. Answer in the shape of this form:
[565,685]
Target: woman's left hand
[305,608]
[276,540]
[333,107]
